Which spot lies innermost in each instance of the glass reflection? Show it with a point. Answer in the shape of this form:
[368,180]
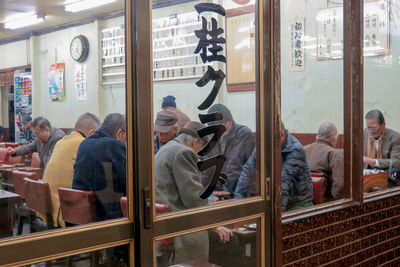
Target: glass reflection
[230,245]
[63,150]
[111,257]
[203,137]
[381,129]
[312,102]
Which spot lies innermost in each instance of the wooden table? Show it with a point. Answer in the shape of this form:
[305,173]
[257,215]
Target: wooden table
[248,245]
[196,263]
[7,203]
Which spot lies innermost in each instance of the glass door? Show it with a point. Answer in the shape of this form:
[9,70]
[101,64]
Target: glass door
[203,192]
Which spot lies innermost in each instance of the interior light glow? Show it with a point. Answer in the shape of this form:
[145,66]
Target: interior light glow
[23,21]
[85,4]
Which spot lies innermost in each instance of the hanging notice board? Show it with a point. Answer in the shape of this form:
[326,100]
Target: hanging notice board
[376,30]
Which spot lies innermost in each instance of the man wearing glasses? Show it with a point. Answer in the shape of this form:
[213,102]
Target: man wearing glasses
[381,144]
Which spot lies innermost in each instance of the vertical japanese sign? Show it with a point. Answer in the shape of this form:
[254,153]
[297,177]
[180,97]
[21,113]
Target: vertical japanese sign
[80,82]
[56,82]
[330,33]
[210,48]
[297,56]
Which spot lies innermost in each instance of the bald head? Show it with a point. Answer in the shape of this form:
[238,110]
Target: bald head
[87,123]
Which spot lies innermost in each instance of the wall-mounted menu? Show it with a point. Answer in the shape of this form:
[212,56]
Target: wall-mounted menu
[174,43]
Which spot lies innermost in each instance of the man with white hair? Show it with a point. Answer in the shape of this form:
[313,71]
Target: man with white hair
[323,157]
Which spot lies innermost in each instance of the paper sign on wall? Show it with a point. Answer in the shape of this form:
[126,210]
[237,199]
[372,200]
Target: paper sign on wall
[56,82]
[297,56]
[80,82]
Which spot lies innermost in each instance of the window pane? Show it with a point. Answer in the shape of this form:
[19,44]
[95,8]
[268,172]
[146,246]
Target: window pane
[112,257]
[312,102]
[381,137]
[63,114]
[230,245]
[204,63]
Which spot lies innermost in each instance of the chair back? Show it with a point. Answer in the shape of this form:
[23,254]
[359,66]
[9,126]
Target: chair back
[35,163]
[123,204]
[77,206]
[4,155]
[37,196]
[160,209]
[319,187]
[18,181]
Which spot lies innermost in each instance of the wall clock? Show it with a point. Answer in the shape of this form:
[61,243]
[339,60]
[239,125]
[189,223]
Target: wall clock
[79,48]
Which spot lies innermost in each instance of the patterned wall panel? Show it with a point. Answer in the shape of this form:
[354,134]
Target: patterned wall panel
[366,235]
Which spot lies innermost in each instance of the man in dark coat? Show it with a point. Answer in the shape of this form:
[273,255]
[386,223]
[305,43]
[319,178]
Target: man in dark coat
[236,144]
[100,166]
[297,189]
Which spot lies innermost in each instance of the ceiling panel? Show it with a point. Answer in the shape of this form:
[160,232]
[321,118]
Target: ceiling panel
[54,12]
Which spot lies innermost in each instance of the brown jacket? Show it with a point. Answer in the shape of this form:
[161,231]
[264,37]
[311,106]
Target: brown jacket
[390,149]
[322,157]
[182,117]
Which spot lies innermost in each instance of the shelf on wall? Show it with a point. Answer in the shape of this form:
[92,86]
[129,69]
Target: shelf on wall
[176,26]
[113,74]
[113,83]
[178,78]
[114,65]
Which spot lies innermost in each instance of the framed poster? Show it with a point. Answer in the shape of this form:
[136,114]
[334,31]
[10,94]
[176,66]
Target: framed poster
[56,82]
[240,43]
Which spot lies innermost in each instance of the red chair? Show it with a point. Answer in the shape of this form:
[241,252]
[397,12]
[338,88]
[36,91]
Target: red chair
[319,187]
[35,163]
[19,188]
[123,203]
[38,199]
[77,206]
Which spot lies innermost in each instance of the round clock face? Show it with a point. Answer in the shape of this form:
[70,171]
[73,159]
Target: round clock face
[79,48]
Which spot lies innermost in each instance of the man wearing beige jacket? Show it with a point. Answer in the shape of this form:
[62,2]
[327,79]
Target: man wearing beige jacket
[60,168]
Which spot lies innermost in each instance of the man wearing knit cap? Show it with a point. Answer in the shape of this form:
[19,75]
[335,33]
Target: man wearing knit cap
[170,105]
[165,128]
[178,185]
[236,144]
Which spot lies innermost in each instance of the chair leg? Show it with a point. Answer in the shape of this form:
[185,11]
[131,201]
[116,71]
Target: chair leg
[20,222]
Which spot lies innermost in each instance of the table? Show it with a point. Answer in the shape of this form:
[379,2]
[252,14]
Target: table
[7,204]
[248,246]
[196,263]
[374,180]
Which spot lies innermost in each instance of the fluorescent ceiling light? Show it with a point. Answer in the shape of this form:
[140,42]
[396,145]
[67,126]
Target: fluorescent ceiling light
[85,4]
[23,21]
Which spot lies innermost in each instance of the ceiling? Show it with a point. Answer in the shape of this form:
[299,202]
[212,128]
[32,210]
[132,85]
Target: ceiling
[54,12]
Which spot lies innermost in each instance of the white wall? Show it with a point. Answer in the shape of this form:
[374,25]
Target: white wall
[14,54]
[189,96]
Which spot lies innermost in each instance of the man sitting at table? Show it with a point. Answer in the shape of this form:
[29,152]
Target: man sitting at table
[46,139]
[297,189]
[169,104]
[165,128]
[60,168]
[323,157]
[381,144]
[26,134]
[177,180]
[100,166]
[236,144]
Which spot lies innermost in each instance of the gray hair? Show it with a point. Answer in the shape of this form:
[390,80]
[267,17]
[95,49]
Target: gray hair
[327,130]
[375,114]
[87,122]
[113,122]
[188,139]
[42,122]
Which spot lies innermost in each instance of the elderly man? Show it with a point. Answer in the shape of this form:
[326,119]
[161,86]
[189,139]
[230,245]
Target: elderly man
[26,134]
[381,144]
[100,166]
[169,104]
[46,139]
[60,168]
[323,157]
[165,128]
[178,185]
[297,189]
[236,144]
